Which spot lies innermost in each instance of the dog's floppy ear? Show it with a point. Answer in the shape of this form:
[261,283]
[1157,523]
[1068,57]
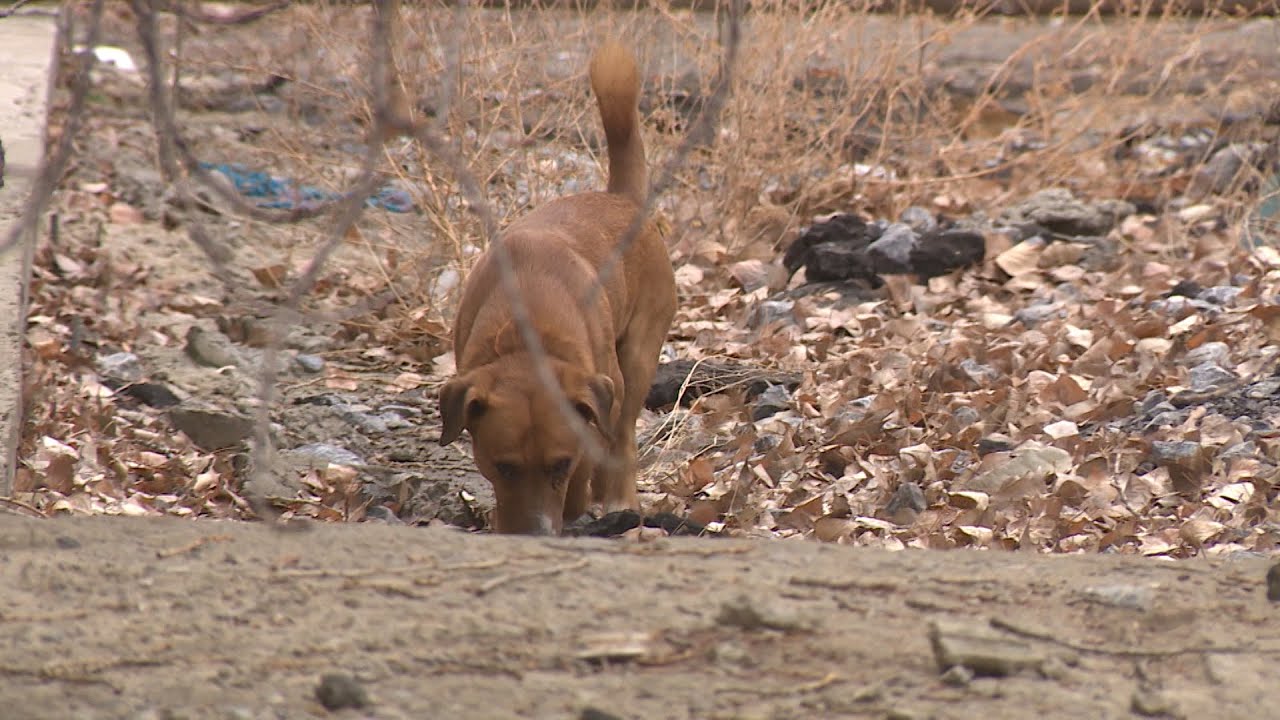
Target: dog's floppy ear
[458,407]
[597,407]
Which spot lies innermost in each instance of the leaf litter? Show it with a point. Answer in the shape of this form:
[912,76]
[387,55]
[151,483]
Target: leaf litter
[1102,380]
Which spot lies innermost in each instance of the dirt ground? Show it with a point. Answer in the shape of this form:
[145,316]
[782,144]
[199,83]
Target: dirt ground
[166,618]
[161,618]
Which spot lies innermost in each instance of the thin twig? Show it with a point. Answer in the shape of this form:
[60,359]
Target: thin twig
[501,580]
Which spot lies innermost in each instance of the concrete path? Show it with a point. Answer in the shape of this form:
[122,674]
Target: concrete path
[26,57]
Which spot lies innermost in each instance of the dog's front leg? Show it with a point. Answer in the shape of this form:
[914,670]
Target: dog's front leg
[578,495]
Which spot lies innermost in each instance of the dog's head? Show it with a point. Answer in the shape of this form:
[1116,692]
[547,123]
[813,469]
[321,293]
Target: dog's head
[523,445]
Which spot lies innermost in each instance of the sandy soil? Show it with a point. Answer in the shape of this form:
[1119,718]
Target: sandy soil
[163,618]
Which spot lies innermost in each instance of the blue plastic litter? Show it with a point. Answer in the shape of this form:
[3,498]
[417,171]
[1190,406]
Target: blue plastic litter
[279,193]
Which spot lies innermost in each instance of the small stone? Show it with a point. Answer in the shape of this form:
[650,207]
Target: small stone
[1221,173]
[383,514]
[122,366]
[1058,211]
[1167,418]
[319,454]
[66,542]
[772,311]
[1223,295]
[124,214]
[1130,597]
[338,691]
[964,416]
[957,676]
[1151,703]
[591,713]
[755,274]
[1211,352]
[211,349]
[1196,213]
[1033,315]
[1273,583]
[1173,453]
[1154,401]
[211,430]
[750,613]
[310,363]
[980,648]
[445,283]
[770,402]
[404,411]
[1209,376]
[918,219]
[892,251]
[907,501]
[981,375]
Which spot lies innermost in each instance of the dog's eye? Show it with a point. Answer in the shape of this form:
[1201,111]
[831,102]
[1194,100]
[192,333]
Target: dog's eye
[560,468]
[509,471]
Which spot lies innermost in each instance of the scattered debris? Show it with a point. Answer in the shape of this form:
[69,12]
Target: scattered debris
[980,648]
[339,691]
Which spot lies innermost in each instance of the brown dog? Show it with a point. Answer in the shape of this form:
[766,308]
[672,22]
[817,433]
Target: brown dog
[601,332]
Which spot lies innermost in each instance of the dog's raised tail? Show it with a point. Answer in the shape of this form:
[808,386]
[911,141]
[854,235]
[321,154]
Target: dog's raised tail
[616,83]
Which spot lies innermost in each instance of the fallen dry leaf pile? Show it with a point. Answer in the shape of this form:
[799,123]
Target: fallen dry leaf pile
[1104,391]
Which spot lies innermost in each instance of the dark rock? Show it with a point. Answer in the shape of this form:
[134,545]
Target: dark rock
[843,229]
[1185,288]
[833,261]
[770,402]
[994,443]
[1273,583]
[211,430]
[675,525]
[152,394]
[66,542]
[938,253]
[704,378]
[338,691]
[846,248]
[611,525]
